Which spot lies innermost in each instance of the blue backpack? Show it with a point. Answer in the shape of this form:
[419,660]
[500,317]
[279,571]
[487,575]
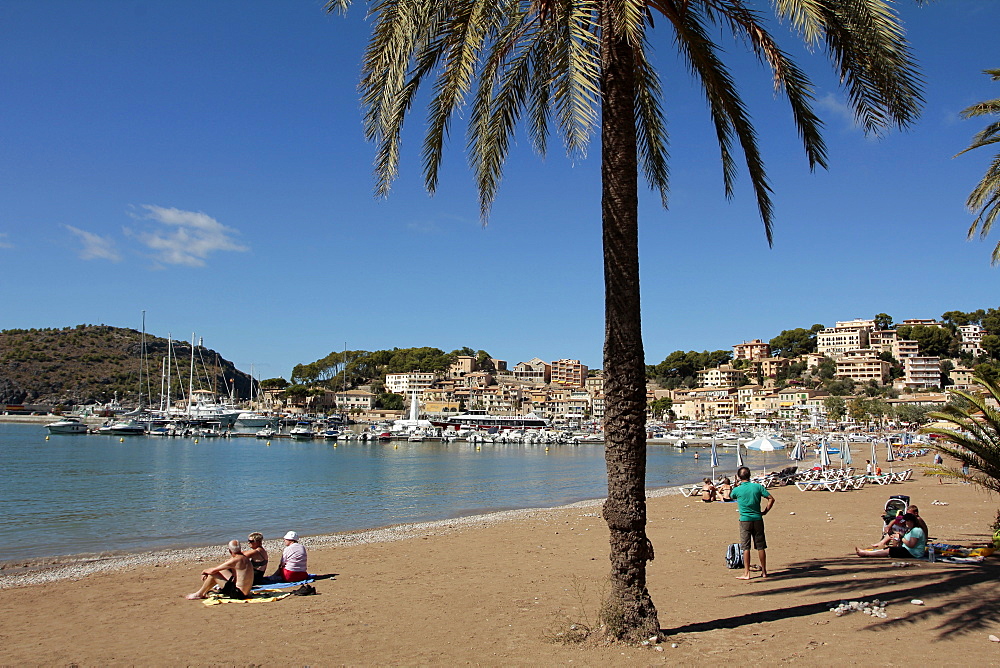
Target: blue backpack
[734,556]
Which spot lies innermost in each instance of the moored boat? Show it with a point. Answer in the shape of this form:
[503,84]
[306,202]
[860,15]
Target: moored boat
[477,419]
[67,425]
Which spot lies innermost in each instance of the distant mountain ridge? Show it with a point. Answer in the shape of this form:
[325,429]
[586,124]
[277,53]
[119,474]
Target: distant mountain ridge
[88,364]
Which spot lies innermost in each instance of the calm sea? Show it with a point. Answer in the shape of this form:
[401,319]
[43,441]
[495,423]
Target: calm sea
[75,494]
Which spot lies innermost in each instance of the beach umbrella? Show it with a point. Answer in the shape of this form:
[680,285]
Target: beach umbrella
[845,454]
[765,444]
[889,456]
[715,459]
[874,456]
[824,455]
[739,456]
[798,452]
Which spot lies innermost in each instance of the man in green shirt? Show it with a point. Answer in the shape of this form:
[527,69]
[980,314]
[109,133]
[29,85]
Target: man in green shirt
[748,495]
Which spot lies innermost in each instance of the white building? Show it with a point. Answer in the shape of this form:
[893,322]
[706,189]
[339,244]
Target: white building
[408,383]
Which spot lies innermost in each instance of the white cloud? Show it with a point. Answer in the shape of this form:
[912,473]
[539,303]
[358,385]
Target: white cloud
[836,107]
[94,246]
[189,238]
[3,241]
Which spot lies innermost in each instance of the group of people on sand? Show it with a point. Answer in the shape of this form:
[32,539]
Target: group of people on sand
[905,537]
[235,577]
[710,492]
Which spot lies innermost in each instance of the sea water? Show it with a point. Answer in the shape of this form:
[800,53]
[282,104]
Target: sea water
[78,494]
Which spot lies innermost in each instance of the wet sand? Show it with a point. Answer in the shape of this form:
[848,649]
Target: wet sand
[500,589]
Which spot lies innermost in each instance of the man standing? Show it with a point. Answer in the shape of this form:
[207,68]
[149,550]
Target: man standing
[234,576]
[293,561]
[748,495]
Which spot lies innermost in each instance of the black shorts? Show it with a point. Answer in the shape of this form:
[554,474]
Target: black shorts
[900,553]
[753,528]
[230,590]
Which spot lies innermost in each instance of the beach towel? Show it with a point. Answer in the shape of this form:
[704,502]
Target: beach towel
[214,598]
[959,554]
[282,585]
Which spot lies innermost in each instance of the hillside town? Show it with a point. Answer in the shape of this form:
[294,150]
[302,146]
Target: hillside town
[871,354]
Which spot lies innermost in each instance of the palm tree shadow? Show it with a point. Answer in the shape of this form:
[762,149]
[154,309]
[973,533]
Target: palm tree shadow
[967,602]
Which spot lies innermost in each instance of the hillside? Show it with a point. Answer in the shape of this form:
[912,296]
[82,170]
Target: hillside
[89,363]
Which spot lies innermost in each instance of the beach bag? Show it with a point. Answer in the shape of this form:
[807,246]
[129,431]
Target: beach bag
[734,556]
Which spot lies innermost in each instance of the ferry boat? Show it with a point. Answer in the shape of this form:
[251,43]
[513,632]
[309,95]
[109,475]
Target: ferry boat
[479,419]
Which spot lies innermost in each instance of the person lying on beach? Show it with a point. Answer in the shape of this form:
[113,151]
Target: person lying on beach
[708,491]
[913,543]
[234,576]
[257,556]
[292,567]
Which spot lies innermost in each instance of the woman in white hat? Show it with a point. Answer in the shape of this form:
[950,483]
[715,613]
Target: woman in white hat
[293,561]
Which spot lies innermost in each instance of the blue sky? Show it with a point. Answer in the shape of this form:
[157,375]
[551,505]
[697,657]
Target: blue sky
[204,162]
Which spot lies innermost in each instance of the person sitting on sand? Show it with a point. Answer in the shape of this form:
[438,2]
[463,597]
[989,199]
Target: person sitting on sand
[898,527]
[708,491]
[725,491]
[292,567]
[257,556]
[913,543]
[234,576]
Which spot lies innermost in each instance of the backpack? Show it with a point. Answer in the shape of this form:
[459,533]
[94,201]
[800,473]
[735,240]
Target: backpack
[734,556]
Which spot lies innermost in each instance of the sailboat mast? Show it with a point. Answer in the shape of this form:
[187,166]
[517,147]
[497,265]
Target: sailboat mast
[191,377]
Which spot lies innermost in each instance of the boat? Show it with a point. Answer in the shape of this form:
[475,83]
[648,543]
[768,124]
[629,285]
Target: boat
[266,432]
[479,419]
[123,428]
[67,425]
[331,434]
[251,419]
[301,430]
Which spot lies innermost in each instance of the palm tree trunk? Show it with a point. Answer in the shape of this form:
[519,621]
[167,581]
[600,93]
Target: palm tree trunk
[628,612]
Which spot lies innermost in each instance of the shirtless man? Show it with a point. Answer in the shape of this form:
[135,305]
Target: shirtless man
[234,576]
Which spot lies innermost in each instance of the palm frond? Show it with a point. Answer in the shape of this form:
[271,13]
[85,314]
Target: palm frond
[975,439]
[651,128]
[868,46]
[726,107]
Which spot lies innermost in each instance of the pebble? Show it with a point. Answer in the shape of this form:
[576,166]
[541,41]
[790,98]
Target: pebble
[916,601]
[876,608]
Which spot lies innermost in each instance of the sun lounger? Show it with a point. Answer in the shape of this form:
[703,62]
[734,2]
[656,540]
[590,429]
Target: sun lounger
[690,490]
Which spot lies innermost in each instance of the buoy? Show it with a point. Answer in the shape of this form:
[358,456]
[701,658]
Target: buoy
[546,448]
[121,440]
[395,447]
[46,438]
[269,444]
[196,441]
[479,447]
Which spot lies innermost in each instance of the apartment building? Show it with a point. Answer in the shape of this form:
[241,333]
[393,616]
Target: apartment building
[883,340]
[863,366]
[920,322]
[972,336]
[751,350]
[407,383]
[462,365]
[533,371]
[921,373]
[770,367]
[836,341]
[569,373]
[904,348]
[354,400]
[721,376]
[962,379]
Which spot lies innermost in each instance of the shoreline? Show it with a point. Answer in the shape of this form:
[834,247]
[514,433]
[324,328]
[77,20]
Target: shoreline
[37,570]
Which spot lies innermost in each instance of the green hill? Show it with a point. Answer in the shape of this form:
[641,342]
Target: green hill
[90,363]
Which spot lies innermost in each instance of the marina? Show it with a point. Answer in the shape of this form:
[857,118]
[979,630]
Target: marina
[95,493]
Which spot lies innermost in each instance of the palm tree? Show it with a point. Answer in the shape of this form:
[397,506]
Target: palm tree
[582,65]
[985,197]
[975,439]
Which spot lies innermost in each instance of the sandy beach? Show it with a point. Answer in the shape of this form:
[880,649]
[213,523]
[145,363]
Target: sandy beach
[505,589]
